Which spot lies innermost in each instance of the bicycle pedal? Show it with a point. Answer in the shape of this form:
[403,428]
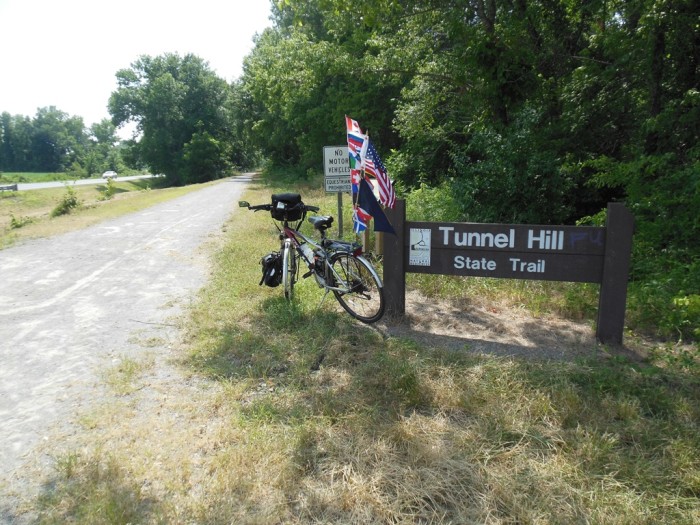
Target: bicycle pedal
[307,274]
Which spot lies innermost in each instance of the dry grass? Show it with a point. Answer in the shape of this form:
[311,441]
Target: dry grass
[279,414]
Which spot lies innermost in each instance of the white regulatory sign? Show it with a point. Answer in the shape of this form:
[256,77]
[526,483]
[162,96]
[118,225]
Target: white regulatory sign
[336,168]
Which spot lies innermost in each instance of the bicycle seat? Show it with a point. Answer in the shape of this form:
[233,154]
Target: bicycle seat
[321,222]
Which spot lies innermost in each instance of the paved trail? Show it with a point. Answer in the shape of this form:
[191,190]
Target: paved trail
[71,304]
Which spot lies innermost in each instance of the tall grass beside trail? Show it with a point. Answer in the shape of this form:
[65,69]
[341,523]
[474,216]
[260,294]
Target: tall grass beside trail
[305,416]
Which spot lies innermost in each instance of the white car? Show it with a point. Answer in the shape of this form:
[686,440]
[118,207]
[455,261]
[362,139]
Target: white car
[109,175]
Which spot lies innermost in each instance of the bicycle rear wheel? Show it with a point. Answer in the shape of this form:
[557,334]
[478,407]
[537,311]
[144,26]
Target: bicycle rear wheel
[361,292]
[289,269]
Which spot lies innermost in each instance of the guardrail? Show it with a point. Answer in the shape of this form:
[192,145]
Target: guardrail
[11,187]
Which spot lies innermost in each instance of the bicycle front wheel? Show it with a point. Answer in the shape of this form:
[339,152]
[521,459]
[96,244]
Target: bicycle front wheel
[289,269]
[357,287]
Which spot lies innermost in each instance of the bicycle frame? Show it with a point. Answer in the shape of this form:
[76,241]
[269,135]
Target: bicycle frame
[287,232]
[338,266]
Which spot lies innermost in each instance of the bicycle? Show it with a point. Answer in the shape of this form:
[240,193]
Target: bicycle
[337,266]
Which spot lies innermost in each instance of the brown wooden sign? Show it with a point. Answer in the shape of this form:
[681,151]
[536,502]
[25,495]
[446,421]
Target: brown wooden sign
[516,251]
[507,251]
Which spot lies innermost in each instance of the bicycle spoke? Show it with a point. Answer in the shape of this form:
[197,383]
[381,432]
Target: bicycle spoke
[358,291]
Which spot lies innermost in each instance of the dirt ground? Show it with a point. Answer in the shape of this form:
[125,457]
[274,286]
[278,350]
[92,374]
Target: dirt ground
[493,329]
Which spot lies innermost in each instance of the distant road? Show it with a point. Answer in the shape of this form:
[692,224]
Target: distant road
[79,182]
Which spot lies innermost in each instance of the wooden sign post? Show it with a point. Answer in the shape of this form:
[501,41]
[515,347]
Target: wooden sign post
[516,251]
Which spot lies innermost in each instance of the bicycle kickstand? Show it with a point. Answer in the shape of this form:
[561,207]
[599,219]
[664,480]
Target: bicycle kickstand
[324,298]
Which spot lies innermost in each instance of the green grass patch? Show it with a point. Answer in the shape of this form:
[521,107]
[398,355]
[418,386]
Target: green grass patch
[123,376]
[32,177]
[45,212]
[305,416]
[27,177]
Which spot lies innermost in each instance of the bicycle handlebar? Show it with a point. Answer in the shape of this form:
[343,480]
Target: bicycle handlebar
[268,207]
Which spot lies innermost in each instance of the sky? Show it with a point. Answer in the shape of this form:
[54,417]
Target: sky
[65,53]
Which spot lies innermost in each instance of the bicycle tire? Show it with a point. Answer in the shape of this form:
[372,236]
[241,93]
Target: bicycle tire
[289,269]
[363,295]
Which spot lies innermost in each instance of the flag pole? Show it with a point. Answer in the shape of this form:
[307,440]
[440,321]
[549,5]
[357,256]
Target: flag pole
[363,152]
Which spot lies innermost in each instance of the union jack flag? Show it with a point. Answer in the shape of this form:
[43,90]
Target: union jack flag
[374,166]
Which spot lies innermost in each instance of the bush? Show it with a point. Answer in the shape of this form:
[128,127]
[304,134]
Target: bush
[76,171]
[109,190]
[664,295]
[67,204]
[19,222]
[433,204]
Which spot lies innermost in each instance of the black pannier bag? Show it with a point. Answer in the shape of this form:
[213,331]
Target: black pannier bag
[287,207]
[271,269]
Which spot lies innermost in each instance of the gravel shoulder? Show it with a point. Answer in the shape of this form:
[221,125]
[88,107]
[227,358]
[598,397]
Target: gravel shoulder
[73,304]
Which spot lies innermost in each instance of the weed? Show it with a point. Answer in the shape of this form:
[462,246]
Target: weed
[68,203]
[110,190]
[19,222]
[92,490]
[122,377]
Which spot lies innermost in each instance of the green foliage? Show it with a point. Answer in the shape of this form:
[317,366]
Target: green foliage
[182,110]
[68,203]
[76,171]
[663,294]
[427,203]
[299,88]
[110,190]
[499,172]
[54,141]
[19,222]
[203,158]
[494,111]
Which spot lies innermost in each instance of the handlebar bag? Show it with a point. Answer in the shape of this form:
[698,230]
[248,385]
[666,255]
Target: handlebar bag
[287,207]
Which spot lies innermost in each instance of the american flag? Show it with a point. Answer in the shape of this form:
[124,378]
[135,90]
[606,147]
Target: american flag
[374,166]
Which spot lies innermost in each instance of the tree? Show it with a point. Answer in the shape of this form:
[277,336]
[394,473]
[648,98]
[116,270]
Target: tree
[300,82]
[102,154]
[58,140]
[51,141]
[54,141]
[203,156]
[171,99]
